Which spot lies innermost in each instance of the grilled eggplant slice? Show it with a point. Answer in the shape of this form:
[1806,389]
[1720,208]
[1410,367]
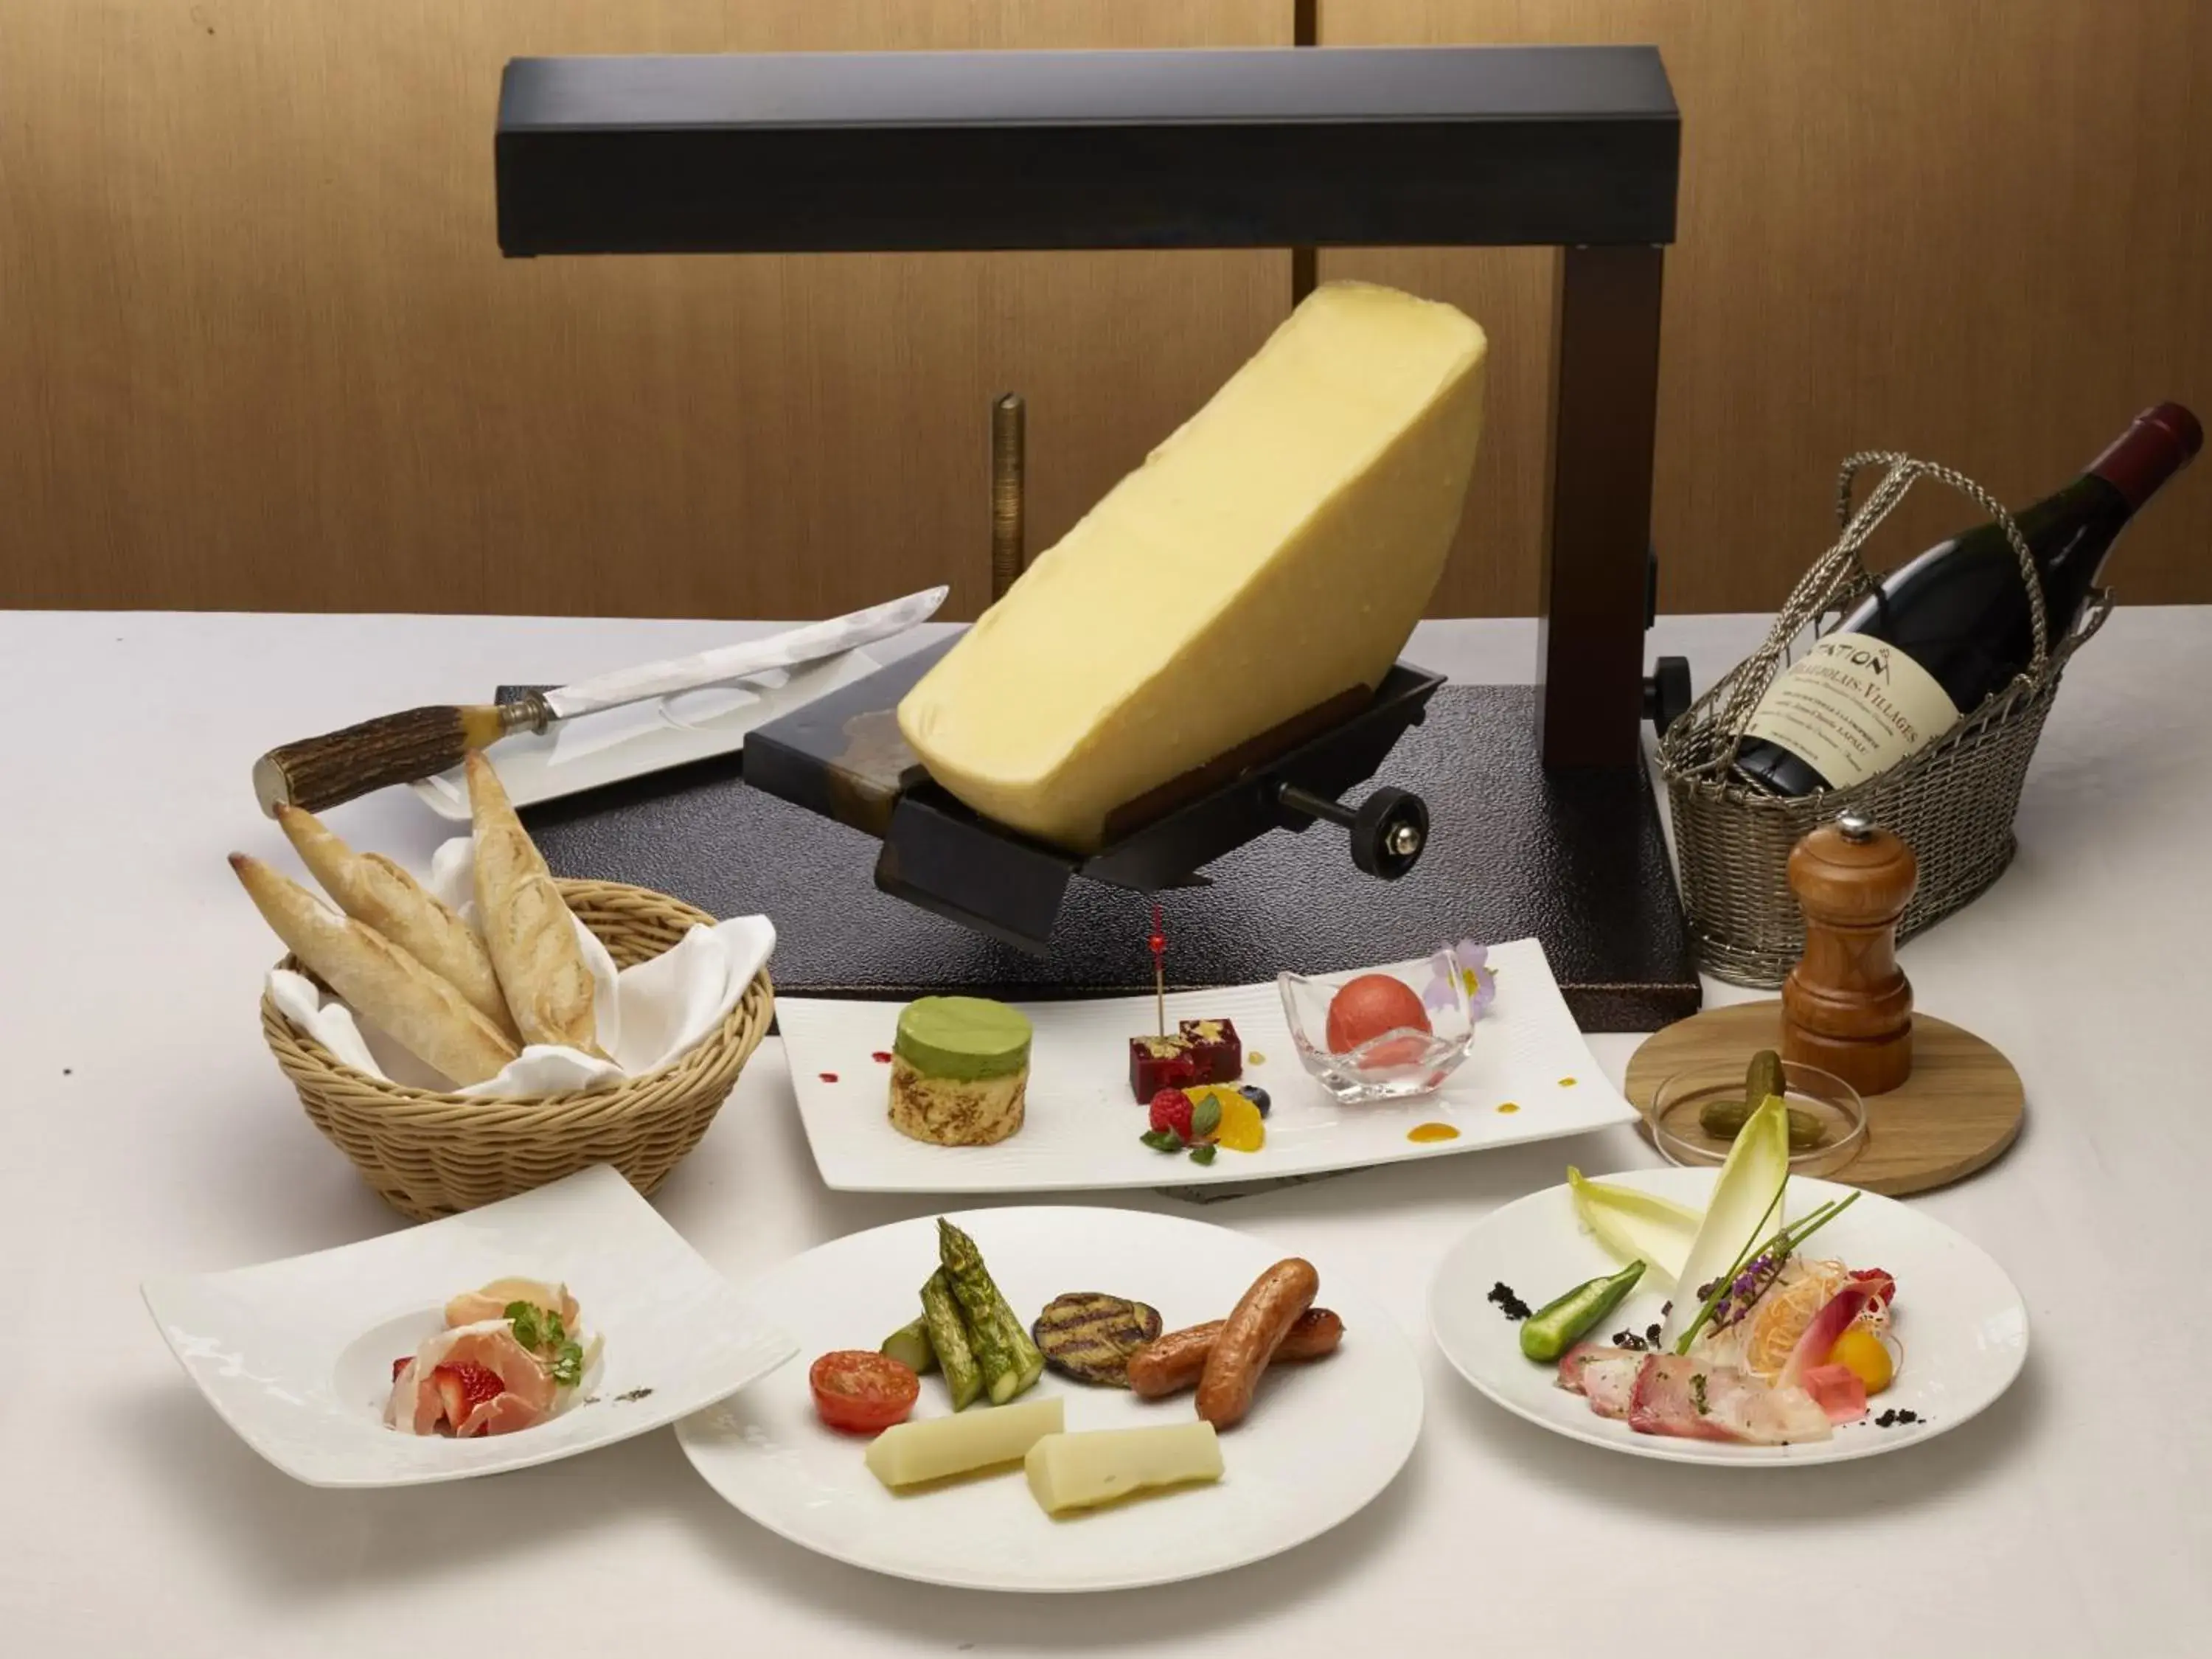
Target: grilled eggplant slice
[1090,1336]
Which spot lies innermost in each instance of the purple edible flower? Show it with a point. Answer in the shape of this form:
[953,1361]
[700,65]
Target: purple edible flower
[1470,961]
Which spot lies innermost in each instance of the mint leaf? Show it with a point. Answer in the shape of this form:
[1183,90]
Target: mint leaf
[1202,1154]
[1162,1141]
[1204,1117]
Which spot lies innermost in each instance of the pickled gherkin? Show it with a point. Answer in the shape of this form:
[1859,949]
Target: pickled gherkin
[1764,1077]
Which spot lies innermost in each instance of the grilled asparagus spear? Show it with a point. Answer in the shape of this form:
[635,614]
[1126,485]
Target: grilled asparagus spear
[909,1344]
[948,1339]
[1010,1361]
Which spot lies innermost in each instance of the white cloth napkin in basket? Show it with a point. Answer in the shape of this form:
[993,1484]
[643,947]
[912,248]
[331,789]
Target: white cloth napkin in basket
[648,1016]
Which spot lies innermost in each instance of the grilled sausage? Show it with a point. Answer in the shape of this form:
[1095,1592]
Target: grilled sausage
[1249,1337]
[1175,1361]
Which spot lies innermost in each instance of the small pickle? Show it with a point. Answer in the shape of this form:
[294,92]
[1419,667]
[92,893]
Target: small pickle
[1555,1327]
[1764,1077]
[1723,1119]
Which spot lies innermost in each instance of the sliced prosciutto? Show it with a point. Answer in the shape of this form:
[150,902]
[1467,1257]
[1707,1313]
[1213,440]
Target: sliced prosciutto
[474,1380]
[492,1301]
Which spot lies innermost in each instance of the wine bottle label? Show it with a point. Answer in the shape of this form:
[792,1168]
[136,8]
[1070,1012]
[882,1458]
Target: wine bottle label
[1851,707]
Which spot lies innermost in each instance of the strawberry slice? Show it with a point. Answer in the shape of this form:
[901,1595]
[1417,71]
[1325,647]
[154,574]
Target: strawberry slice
[464,1386]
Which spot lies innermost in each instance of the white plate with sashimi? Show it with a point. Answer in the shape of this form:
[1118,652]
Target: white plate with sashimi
[1061,1399]
[1489,1026]
[1837,1324]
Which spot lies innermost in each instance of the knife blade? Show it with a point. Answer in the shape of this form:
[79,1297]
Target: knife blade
[420,743]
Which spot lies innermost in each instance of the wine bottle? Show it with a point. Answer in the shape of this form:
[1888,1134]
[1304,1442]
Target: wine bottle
[1940,634]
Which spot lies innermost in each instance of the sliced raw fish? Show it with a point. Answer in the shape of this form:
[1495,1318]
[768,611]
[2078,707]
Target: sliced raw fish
[1694,1401]
[1673,1397]
[1838,1391]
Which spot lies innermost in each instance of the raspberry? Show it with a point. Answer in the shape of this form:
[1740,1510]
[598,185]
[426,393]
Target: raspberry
[1171,1110]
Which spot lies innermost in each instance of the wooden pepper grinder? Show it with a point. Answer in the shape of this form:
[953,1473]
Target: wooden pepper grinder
[1846,1007]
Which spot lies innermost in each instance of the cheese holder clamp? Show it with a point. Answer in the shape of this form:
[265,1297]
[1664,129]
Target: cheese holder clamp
[841,757]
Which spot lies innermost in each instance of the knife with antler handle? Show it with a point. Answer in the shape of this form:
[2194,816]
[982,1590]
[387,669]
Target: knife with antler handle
[420,742]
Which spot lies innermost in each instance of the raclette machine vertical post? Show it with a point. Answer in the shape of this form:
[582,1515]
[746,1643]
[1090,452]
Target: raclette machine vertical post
[1569,148]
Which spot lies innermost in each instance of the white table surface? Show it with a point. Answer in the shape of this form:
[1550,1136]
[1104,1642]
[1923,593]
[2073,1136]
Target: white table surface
[146,1129]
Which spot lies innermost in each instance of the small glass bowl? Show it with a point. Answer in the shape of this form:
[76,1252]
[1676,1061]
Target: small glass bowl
[1398,1065]
[1833,1105]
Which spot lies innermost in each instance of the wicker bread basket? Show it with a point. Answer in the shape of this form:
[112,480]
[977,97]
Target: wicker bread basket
[1952,802]
[431,1155]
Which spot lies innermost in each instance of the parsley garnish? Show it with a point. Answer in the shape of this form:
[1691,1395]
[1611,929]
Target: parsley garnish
[1697,1393]
[542,1332]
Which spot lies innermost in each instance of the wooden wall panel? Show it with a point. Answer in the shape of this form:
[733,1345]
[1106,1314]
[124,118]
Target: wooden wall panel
[1973,230]
[258,350]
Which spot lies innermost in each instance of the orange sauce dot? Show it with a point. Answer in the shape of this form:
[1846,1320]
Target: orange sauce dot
[1425,1132]
[1255,1058]
[1509,1106]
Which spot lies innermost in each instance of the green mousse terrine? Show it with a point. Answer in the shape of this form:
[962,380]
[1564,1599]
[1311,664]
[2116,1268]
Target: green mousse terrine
[960,1070]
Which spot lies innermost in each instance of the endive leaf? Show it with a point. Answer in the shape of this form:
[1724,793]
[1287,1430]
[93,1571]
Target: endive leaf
[1745,1206]
[1635,1226]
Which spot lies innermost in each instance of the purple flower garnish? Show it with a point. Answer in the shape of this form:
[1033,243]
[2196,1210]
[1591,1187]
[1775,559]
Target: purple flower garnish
[1470,962]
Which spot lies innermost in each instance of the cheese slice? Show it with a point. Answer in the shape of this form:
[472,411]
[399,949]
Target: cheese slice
[1082,1471]
[1272,553]
[908,1453]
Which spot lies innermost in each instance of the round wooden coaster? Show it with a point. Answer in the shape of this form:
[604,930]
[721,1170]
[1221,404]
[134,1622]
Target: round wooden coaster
[1960,1107]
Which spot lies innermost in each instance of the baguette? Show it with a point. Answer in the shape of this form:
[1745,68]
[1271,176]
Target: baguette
[526,926]
[376,892]
[419,1011]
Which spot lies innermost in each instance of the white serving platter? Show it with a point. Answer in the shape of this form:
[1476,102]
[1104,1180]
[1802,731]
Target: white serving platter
[1528,1077]
[1322,1439]
[1959,1320]
[296,1355]
[643,738]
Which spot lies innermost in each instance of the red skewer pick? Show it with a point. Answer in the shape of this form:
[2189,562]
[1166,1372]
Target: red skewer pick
[1159,945]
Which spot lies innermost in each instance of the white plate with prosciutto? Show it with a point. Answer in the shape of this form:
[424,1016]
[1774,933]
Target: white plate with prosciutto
[1771,1320]
[526,1331]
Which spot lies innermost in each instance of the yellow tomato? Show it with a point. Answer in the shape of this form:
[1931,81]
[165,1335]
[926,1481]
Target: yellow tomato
[1860,1351]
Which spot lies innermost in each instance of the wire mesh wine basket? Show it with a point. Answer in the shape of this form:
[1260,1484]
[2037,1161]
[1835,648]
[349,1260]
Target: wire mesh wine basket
[1952,801]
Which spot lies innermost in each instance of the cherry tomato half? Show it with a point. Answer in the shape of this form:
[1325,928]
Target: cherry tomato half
[862,1393]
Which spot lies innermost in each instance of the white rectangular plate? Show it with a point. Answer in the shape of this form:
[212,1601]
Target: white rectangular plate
[296,1355]
[1530,1077]
[643,738]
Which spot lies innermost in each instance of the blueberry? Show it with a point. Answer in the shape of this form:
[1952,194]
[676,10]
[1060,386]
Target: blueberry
[1256,1095]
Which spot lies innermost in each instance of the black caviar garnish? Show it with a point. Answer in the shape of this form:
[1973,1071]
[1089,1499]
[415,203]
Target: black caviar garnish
[1508,1303]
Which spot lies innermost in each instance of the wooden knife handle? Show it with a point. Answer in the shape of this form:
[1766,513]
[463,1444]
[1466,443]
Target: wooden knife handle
[318,772]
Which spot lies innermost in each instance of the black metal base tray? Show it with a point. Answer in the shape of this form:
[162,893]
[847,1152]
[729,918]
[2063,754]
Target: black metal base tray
[1574,858]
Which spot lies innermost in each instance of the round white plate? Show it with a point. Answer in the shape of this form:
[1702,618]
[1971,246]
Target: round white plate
[1322,1439]
[1960,1320]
